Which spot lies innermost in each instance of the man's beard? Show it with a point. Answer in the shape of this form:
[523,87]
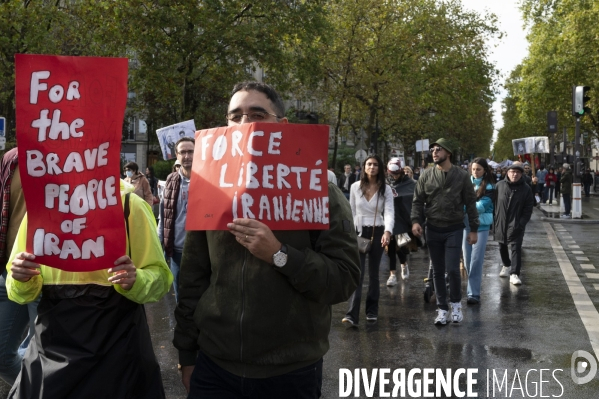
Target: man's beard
[440,160]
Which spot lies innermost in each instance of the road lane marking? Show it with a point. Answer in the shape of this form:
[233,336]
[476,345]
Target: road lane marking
[587,266]
[573,246]
[586,309]
[596,286]
[592,275]
[578,252]
[582,258]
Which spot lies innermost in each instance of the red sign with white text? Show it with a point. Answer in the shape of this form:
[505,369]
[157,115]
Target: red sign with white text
[69,125]
[272,172]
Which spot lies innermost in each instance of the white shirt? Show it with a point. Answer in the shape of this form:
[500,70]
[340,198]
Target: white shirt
[363,210]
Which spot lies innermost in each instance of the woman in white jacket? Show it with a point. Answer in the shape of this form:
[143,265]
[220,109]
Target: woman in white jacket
[370,198]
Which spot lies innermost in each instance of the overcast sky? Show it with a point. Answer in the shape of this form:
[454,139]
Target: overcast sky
[512,48]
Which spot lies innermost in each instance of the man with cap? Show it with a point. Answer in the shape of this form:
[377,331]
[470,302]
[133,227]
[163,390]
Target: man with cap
[513,210]
[566,182]
[173,208]
[442,192]
[402,187]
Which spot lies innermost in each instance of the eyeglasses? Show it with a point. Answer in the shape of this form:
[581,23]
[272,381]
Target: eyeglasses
[183,153]
[252,116]
[435,149]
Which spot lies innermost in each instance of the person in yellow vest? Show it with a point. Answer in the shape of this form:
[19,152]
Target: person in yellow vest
[91,335]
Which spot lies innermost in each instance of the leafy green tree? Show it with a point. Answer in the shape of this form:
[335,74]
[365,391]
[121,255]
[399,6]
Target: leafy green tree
[393,64]
[562,54]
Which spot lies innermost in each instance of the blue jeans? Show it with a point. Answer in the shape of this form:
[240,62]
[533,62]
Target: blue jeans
[175,265]
[209,381]
[14,320]
[474,257]
[444,250]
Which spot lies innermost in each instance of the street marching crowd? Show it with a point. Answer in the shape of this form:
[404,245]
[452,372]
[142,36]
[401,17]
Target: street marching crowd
[253,310]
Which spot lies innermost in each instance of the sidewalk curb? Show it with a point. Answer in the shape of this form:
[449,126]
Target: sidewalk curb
[567,221]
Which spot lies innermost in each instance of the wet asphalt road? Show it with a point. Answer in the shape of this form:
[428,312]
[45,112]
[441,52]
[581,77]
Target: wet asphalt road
[525,334]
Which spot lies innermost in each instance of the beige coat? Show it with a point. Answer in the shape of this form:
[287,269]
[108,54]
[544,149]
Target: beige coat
[142,187]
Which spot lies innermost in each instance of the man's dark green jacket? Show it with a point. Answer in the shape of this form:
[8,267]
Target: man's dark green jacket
[254,319]
[440,199]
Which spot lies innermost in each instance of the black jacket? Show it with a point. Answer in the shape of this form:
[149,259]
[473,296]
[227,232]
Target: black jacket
[566,181]
[513,210]
[341,182]
[403,192]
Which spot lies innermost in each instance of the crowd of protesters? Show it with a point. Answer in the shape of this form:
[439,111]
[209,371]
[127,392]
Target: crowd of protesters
[91,325]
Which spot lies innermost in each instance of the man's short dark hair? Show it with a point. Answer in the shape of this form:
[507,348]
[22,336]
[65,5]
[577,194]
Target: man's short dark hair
[182,139]
[131,165]
[269,92]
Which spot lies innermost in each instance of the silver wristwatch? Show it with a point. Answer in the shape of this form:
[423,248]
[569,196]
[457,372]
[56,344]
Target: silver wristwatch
[280,258]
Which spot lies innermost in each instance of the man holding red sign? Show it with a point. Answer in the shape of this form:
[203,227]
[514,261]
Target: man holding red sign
[254,309]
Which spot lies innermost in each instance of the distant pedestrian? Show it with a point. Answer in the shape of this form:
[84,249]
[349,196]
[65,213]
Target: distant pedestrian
[550,184]
[138,181]
[440,196]
[566,186]
[402,187]
[173,208]
[483,182]
[587,181]
[513,210]
[371,202]
[541,174]
[346,179]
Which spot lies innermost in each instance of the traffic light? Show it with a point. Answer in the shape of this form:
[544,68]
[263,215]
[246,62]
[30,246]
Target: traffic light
[580,168]
[579,100]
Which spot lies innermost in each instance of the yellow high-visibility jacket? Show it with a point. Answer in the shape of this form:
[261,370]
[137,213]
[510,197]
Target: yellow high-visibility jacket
[153,279]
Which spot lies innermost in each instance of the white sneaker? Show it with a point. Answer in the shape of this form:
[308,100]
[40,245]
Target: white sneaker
[405,272]
[442,317]
[505,271]
[514,279]
[456,312]
[392,280]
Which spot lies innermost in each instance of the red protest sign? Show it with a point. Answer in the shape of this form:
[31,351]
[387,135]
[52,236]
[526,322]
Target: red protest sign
[271,172]
[69,125]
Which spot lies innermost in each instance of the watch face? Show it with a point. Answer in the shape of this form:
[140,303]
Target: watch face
[280,259]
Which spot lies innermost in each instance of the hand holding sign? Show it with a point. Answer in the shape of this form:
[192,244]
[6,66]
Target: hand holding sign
[126,272]
[256,237]
[24,267]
